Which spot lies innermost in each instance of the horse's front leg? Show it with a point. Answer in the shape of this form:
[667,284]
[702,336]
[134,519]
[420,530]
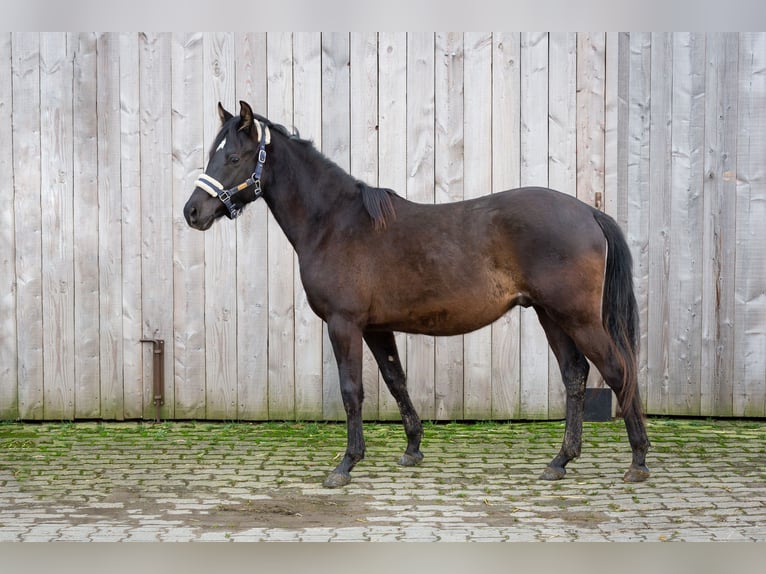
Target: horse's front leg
[346,339]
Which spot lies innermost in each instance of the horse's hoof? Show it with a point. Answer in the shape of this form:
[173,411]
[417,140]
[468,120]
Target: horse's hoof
[411,459]
[336,480]
[553,473]
[636,474]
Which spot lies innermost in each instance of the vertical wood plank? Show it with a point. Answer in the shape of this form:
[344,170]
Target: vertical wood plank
[9,387]
[252,247]
[506,167]
[25,49]
[477,169]
[280,253]
[335,138]
[448,187]
[156,211]
[220,245]
[719,233]
[562,159]
[86,249]
[659,222]
[392,123]
[110,233]
[420,177]
[307,117]
[638,170]
[590,136]
[130,163]
[188,244]
[750,296]
[57,226]
[534,171]
[364,162]
[686,219]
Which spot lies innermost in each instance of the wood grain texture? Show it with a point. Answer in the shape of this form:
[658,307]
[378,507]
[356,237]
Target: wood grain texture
[534,171]
[188,244]
[87,255]
[719,234]
[506,168]
[448,187]
[108,204]
[156,213]
[252,251]
[281,332]
[56,177]
[392,122]
[307,117]
[9,388]
[363,60]
[420,188]
[477,173]
[750,286]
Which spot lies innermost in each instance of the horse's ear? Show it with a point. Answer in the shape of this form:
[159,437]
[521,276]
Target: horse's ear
[223,114]
[246,115]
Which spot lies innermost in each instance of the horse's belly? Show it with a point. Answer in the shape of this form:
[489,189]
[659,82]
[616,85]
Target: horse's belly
[448,318]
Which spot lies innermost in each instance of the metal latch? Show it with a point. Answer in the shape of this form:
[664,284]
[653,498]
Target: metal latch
[158,377]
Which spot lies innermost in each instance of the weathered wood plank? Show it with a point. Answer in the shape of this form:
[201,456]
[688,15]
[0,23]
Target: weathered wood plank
[659,222]
[280,252]
[638,170]
[392,121]
[336,127]
[562,163]
[719,231]
[307,117]
[130,163]
[108,206]
[188,244]
[420,188]
[477,170]
[534,171]
[57,226]
[750,295]
[448,187]
[252,247]
[9,388]
[220,244]
[86,245]
[363,60]
[156,211]
[25,49]
[506,168]
[684,295]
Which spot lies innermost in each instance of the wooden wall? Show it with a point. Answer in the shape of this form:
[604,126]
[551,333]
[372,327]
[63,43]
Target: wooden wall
[104,134]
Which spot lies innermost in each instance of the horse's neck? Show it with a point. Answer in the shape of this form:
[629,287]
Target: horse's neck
[297,202]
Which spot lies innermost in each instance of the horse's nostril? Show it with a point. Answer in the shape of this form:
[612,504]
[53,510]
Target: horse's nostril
[191,214]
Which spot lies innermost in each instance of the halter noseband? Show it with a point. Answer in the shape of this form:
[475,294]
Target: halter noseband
[216,189]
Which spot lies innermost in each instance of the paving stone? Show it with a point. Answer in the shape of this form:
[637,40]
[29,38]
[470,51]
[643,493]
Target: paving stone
[478,482]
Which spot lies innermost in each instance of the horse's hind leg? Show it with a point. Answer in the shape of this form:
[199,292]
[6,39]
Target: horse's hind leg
[383,347]
[574,372]
[595,343]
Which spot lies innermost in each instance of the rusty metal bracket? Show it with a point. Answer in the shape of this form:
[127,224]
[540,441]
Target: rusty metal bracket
[158,376]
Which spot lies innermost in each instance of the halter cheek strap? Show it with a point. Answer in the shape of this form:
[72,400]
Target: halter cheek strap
[216,189]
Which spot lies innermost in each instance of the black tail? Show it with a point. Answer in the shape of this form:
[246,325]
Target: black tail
[619,307]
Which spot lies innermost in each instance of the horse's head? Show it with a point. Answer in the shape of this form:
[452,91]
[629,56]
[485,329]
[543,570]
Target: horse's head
[232,177]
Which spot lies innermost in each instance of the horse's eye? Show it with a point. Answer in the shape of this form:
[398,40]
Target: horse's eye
[234,159]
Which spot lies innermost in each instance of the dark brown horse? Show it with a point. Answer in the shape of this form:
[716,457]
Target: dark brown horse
[373,263]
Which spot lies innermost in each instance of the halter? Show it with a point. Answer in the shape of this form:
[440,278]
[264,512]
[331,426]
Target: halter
[216,189]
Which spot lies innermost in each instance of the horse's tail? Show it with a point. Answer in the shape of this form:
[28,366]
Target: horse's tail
[619,308]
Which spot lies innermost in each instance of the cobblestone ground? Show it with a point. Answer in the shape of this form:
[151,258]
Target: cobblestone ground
[478,482]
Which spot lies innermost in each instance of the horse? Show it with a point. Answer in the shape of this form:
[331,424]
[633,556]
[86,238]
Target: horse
[373,263]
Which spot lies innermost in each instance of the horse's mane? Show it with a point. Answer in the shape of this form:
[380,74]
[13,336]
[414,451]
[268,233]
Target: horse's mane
[377,201]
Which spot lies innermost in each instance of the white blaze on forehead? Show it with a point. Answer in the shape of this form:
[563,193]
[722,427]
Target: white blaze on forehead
[221,145]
